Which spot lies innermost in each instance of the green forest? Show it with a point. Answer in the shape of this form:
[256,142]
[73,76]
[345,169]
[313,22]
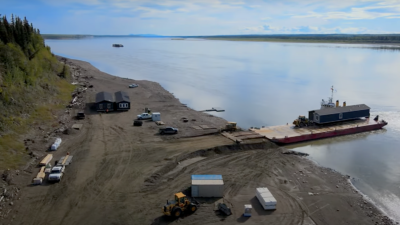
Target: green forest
[33,84]
[314,38]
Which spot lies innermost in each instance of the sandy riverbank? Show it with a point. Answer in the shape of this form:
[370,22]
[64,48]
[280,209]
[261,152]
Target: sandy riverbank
[123,174]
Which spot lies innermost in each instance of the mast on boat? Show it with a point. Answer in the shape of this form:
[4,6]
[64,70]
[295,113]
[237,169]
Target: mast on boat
[329,103]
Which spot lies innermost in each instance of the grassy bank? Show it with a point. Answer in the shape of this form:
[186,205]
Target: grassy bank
[34,85]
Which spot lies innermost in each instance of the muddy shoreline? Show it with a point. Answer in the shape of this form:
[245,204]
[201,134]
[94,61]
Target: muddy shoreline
[123,174]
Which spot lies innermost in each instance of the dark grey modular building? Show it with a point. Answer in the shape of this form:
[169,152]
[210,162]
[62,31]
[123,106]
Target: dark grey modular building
[337,114]
[104,101]
[122,101]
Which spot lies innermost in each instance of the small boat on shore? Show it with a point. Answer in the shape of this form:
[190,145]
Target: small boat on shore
[117,45]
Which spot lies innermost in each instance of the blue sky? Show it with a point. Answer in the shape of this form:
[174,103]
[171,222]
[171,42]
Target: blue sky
[207,17]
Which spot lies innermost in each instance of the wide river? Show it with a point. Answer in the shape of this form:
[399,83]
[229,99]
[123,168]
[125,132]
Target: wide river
[265,84]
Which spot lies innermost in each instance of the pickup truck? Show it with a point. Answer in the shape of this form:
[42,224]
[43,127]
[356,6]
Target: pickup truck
[56,173]
[144,116]
[133,85]
[168,130]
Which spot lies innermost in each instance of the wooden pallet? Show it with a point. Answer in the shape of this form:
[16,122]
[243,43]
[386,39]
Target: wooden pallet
[230,136]
[160,123]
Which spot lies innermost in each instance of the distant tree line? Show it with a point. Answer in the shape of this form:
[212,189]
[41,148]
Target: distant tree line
[351,38]
[19,32]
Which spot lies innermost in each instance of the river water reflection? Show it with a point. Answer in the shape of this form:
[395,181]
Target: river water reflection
[264,84]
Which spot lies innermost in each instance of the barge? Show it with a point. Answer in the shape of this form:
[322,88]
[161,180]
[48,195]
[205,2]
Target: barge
[330,121]
[287,134]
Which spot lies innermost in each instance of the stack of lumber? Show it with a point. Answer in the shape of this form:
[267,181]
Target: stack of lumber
[46,160]
[40,176]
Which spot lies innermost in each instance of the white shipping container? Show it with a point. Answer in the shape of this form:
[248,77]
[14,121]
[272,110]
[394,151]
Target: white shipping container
[56,144]
[156,116]
[207,188]
[266,198]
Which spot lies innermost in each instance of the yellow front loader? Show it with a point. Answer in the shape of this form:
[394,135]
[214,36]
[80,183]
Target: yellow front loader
[230,126]
[181,204]
[302,121]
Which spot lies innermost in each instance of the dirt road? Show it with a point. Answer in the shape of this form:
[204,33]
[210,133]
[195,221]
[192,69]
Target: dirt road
[123,174]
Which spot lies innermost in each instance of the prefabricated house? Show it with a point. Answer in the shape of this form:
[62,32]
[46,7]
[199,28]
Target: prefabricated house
[329,115]
[104,102]
[122,101]
[156,116]
[266,198]
[207,186]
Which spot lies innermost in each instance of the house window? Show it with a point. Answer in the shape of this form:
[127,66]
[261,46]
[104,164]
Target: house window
[123,105]
[100,106]
[108,105]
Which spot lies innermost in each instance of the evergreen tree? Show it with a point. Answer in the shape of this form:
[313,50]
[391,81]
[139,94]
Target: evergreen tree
[3,32]
[10,37]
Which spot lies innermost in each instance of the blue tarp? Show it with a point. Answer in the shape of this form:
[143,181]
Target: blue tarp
[206,177]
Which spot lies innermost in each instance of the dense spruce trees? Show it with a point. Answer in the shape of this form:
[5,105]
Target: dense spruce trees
[19,32]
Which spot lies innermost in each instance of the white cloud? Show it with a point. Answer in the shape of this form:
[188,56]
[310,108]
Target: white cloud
[214,17]
[268,29]
[266,18]
[358,13]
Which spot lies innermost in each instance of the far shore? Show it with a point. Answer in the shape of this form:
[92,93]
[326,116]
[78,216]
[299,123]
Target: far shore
[381,41]
[383,44]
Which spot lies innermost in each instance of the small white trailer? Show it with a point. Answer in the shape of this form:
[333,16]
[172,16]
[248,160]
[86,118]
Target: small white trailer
[65,160]
[156,116]
[56,144]
[266,198]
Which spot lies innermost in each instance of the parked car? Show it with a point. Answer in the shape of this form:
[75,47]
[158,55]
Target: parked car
[133,85]
[56,174]
[144,116]
[168,130]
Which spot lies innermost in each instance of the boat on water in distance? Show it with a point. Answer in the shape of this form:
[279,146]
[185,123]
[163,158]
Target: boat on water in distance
[330,121]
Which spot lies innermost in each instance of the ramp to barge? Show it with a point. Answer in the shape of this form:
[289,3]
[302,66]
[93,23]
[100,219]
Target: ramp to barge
[290,134]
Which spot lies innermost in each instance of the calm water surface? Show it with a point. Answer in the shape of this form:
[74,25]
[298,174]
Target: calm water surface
[264,84]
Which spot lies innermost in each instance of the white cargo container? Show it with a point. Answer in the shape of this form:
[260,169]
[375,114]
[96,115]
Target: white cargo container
[266,198]
[56,144]
[207,186]
[156,116]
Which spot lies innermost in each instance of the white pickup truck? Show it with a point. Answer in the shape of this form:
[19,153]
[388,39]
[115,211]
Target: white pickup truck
[144,116]
[56,173]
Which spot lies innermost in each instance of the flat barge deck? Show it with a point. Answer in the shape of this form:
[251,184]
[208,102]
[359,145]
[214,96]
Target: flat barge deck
[286,134]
